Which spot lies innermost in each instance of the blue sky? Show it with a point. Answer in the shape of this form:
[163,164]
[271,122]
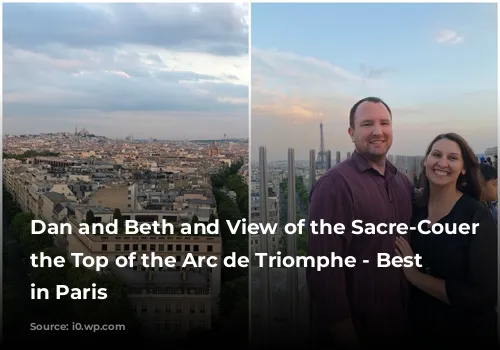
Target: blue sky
[168,71]
[435,64]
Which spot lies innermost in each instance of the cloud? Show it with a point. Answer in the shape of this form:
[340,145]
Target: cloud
[448,37]
[103,65]
[291,95]
[295,87]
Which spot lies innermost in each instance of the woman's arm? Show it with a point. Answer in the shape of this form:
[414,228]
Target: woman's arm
[479,287]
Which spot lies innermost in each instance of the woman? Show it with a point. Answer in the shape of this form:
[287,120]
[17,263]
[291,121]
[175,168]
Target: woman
[454,291]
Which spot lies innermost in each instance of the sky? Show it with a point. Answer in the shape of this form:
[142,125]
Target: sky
[434,64]
[167,71]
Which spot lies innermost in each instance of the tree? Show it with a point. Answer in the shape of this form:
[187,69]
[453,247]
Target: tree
[194,220]
[22,220]
[234,305]
[117,215]
[234,293]
[89,217]
[29,243]
[49,277]
[116,308]
[212,218]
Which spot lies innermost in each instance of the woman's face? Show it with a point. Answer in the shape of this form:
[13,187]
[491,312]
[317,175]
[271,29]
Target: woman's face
[444,164]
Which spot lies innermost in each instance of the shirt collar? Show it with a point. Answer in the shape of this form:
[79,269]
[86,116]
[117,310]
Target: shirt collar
[362,164]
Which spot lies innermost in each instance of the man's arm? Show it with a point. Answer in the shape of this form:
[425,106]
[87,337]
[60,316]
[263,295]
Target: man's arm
[331,201]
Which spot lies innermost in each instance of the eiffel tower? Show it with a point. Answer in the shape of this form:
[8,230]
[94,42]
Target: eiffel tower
[321,160]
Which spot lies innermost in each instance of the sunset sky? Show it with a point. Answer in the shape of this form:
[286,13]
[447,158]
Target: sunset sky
[434,64]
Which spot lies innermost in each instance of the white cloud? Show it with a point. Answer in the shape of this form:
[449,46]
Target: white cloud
[450,37]
[302,89]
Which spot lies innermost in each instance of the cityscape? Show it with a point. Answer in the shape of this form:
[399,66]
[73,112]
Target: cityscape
[80,177]
[140,114]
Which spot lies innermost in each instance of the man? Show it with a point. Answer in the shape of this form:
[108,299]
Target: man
[365,304]
[495,161]
[490,188]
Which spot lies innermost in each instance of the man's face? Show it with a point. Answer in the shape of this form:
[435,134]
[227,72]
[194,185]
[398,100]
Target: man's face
[372,133]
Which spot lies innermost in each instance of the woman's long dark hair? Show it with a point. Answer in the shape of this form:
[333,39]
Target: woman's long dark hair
[471,179]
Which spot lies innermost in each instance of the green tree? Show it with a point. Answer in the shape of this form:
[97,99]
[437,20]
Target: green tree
[50,276]
[22,220]
[117,215]
[89,217]
[29,154]
[29,243]
[116,308]
[234,291]
[212,218]
[234,305]
[194,219]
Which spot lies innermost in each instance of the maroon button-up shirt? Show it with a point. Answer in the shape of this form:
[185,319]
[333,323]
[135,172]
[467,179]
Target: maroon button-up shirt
[374,298]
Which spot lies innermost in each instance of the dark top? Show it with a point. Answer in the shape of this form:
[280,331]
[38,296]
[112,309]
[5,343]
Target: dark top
[492,206]
[468,264]
[374,298]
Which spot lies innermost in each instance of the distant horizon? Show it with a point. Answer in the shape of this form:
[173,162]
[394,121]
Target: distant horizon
[256,162]
[133,138]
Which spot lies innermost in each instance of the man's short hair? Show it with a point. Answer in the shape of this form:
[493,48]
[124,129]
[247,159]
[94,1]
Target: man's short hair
[488,172]
[371,99]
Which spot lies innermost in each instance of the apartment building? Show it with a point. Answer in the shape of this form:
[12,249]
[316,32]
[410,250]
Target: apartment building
[165,299]
[273,218]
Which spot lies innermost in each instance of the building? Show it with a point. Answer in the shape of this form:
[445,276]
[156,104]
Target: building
[165,299]
[273,218]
